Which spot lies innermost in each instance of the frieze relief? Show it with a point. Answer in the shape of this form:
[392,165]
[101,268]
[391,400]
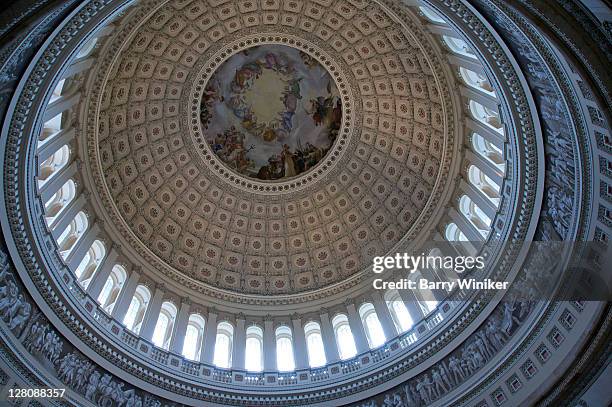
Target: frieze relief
[561,183]
[23,319]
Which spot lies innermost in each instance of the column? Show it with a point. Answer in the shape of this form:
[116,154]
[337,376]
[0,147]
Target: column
[450,248]
[438,237]
[152,314]
[60,105]
[329,339]
[77,67]
[412,305]
[489,169]
[82,245]
[210,337]
[438,295]
[57,181]
[382,311]
[125,296]
[269,345]
[96,284]
[488,133]
[441,30]
[106,30]
[361,340]
[57,141]
[180,327]
[465,247]
[448,273]
[300,351]
[480,97]
[475,195]
[465,226]
[238,350]
[471,64]
[67,215]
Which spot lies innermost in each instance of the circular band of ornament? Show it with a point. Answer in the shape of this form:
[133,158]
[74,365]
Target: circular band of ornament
[245,182]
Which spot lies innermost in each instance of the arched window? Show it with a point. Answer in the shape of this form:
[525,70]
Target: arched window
[344,337]
[224,345]
[284,349]
[488,151]
[458,46]
[53,165]
[71,235]
[475,215]
[50,128]
[431,15]
[399,313]
[90,263]
[59,201]
[484,183]
[253,360]
[192,345]
[373,329]
[314,344]
[476,81]
[87,48]
[486,116]
[454,234]
[110,292]
[136,311]
[165,323]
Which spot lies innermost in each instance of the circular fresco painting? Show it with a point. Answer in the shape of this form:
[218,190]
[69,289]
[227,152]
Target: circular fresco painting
[271,112]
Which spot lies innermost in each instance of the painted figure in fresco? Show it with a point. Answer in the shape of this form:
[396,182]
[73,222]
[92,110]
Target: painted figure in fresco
[274,170]
[268,134]
[229,146]
[288,161]
[310,112]
[240,108]
[308,60]
[14,308]
[292,94]
[278,62]
[326,111]
[245,76]
[211,95]
[286,119]
[319,107]
[421,388]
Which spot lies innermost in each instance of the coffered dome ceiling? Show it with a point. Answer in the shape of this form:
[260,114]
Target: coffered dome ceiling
[269,147]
